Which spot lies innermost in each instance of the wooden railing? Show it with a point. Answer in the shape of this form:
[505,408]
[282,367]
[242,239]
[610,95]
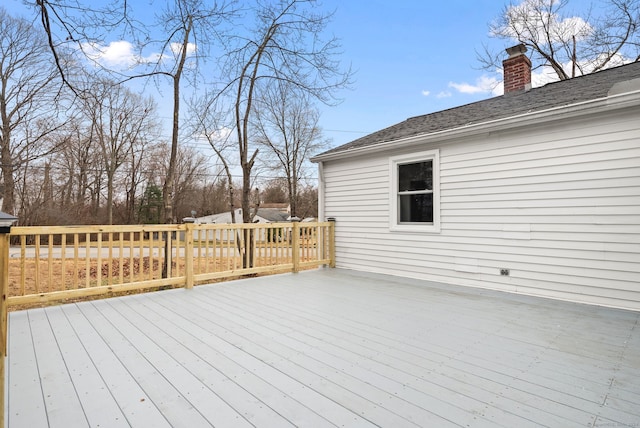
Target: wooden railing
[48,264]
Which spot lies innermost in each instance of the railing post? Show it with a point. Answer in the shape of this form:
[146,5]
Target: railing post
[188,255]
[332,242]
[295,245]
[5,228]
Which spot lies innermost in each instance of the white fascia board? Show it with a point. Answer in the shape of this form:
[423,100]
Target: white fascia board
[591,107]
[321,204]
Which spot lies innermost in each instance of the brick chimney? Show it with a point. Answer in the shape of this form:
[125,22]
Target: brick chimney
[517,70]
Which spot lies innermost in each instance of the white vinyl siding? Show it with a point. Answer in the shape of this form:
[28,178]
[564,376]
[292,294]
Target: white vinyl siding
[560,209]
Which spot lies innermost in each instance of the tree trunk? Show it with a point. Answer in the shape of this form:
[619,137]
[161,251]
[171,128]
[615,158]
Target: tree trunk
[110,197]
[8,201]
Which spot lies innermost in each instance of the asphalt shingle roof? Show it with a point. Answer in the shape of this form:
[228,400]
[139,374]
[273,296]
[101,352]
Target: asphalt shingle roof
[557,94]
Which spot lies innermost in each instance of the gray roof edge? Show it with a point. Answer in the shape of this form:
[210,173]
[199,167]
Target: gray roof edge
[613,102]
[609,82]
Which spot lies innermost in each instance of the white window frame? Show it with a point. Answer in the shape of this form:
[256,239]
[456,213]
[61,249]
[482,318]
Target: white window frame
[394,223]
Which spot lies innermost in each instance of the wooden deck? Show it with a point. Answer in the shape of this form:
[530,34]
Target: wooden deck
[324,348]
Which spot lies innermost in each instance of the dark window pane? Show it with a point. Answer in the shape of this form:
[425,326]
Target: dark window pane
[416,208]
[415,176]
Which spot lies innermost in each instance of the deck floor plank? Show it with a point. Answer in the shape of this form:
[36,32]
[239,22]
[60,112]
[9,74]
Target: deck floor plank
[200,406]
[579,416]
[324,348]
[447,388]
[126,391]
[345,360]
[200,364]
[297,381]
[96,399]
[63,405]
[172,404]
[296,352]
[24,390]
[248,372]
[328,340]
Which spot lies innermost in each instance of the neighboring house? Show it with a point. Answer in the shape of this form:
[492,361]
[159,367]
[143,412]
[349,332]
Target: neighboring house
[225,217]
[278,214]
[534,192]
[264,215]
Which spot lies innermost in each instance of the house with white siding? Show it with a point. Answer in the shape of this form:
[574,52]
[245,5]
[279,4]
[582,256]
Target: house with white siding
[534,192]
[264,215]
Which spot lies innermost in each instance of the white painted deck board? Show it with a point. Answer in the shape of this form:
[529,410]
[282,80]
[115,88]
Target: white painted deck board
[25,402]
[131,398]
[439,390]
[251,373]
[96,400]
[61,398]
[301,382]
[324,348]
[199,406]
[306,363]
[199,357]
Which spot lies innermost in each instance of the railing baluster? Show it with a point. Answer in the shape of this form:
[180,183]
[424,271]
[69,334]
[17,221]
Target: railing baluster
[23,259]
[87,260]
[141,255]
[121,258]
[99,260]
[50,263]
[110,268]
[151,256]
[131,251]
[37,284]
[76,244]
[63,259]
[199,257]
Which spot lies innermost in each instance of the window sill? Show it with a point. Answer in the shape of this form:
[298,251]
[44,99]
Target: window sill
[415,228]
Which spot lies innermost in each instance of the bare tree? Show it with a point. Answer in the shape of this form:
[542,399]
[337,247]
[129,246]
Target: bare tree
[286,124]
[135,177]
[285,45]
[275,191]
[28,103]
[206,124]
[78,165]
[570,45]
[308,201]
[120,120]
[187,28]
[192,170]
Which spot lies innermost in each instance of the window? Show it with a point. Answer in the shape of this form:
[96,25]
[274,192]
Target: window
[415,192]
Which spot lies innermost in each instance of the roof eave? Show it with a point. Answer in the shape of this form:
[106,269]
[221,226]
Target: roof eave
[595,106]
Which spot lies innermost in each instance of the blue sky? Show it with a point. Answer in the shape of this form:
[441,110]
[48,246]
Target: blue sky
[410,57]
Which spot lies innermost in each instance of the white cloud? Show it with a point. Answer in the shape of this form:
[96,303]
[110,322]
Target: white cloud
[176,47]
[546,74]
[444,94]
[219,136]
[426,93]
[122,53]
[483,85]
[118,53]
[531,20]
